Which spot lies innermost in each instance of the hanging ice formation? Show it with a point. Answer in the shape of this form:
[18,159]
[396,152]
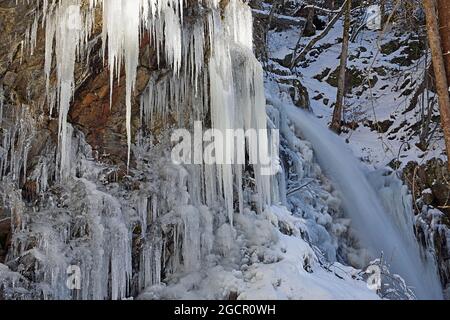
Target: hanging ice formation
[210,73]
[230,85]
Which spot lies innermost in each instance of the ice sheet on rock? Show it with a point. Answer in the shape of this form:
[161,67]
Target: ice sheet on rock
[16,142]
[85,228]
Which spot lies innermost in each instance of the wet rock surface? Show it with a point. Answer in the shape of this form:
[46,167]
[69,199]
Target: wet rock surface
[430,181]
[430,186]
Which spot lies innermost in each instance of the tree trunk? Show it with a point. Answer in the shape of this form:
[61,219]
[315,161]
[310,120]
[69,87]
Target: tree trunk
[443,7]
[337,114]
[383,11]
[439,69]
[310,28]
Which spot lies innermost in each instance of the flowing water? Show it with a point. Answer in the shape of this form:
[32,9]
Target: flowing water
[379,223]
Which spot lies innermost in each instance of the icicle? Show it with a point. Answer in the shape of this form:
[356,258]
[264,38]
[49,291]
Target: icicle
[50,29]
[239,22]
[191,238]
[222,114]
[172,27]
[34,30]
[65,25]
[131,43]
[121,25]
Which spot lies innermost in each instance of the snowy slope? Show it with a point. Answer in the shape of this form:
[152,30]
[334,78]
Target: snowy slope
[386,69]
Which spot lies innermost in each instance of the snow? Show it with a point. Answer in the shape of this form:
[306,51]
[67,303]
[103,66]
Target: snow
[383,101]
[392,216]
[373,20]
[278,271]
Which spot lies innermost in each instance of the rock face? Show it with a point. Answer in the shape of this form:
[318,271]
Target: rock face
[22,84]
[23,80]
[430,184]
[102,121]
[5,235]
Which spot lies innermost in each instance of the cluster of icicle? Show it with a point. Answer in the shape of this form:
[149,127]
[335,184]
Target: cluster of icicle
[207,67]
[212,67]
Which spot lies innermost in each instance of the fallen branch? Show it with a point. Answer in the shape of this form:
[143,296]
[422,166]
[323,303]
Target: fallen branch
[316,8]
[296,189]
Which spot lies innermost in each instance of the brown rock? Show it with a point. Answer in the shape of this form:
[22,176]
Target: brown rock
[432,175]
[428,198]
[5,235]
[9,79]
[89,99]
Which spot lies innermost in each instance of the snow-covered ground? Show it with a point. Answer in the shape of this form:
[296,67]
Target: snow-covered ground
[384,84]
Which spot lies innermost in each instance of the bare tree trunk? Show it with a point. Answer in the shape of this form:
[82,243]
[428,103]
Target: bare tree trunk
[443,7]
[337,113]
[310,28]
[439,69]
[383,10]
